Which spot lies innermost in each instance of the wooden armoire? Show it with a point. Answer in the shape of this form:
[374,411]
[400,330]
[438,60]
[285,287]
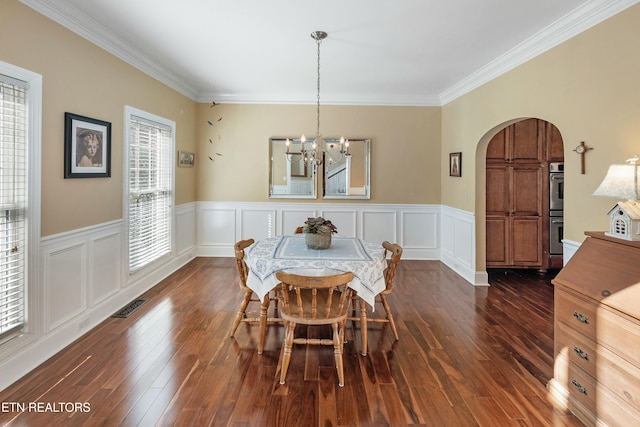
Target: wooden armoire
[517,194]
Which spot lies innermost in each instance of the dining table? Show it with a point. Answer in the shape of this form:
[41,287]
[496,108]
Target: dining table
[364,259]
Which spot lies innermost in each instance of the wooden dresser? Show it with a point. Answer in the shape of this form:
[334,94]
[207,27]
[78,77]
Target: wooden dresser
[597,332]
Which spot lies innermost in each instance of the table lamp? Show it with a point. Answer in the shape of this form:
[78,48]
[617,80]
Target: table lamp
[621,182]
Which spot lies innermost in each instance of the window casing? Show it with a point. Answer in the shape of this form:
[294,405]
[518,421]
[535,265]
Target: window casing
[149,184]
[20,140]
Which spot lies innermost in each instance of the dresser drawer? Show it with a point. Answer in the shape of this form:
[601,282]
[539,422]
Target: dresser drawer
[612,412]
[578,349]
[576,312]
[580,386]
[620,334]
[620,377]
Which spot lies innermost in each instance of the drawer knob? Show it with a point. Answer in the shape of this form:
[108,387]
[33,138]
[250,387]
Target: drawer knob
[580,352]
[581,317]
[582,389]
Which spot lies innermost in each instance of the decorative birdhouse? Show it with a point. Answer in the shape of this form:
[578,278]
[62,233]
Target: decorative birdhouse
[624,221]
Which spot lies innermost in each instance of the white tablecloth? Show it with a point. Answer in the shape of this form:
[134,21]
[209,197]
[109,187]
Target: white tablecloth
[265,257]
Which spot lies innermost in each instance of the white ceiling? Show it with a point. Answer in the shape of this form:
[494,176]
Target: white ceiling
[378,52]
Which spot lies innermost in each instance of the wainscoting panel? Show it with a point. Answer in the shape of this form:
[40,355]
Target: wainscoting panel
[378,226]
[569,248]
[257,223]
[65,283]
[81,269]
[185,228]
[105,267]
[459,244]
[216,230]
[427,240]
[294,218]
[415,227]
[345,219]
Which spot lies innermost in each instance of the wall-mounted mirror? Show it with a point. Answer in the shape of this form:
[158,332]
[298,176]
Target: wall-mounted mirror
[289,175]
[346,169]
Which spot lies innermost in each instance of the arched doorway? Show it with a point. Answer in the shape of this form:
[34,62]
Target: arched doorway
[523,226]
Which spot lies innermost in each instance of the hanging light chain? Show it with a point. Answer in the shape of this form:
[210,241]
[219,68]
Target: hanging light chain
[318,41]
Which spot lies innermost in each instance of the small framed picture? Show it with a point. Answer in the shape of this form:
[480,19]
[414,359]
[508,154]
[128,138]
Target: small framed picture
[87,147]
[455,164]
[186,159]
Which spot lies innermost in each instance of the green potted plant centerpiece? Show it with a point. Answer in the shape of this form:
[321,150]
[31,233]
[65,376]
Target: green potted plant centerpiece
[317,232]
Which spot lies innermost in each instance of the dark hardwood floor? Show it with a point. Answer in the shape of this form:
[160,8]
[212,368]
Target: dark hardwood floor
[466,357]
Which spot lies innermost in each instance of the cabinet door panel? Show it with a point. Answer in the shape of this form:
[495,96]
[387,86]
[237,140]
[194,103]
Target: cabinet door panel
[555,146]
[526,240]
[498,191]
[527,142]
[497,241]
[527,190]
[497,148]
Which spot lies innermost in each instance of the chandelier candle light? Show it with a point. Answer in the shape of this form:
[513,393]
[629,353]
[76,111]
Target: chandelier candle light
[315,154]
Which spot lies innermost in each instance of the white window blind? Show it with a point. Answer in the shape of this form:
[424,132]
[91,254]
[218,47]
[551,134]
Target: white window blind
[13,204]
[150,191]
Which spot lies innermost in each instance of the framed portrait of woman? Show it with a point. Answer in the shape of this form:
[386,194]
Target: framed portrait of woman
[455,164]
[87,147]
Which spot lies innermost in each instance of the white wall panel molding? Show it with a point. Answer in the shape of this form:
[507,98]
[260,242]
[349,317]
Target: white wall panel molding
[66,283]
[186,229]
[380,225]
[569,248]
[79,269]
[459,244]
[415,227]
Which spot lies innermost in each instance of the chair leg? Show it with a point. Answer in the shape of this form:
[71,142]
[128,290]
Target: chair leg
[337,352]
[383,298]
[263,322]
[241,312]
[363,325]
[286,351]
[354,299]
[276,302]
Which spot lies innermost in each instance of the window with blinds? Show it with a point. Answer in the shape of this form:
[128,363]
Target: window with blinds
[150,181]
[13,205]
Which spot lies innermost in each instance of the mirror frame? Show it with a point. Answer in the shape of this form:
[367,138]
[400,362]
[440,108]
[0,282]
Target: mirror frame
[309,170]
[366,194]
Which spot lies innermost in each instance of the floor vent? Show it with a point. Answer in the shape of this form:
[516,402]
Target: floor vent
[130,308]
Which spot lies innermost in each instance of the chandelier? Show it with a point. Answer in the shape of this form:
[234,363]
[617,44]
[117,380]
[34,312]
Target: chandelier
[314,151]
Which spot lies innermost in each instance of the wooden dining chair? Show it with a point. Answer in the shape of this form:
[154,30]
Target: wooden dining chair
[249,297]
[389,275]
[314,300]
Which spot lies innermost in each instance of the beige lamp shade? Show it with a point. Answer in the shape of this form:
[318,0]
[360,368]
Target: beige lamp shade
[621,182]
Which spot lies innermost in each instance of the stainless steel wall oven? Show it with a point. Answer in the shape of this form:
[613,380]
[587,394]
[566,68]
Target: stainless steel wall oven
[556,207]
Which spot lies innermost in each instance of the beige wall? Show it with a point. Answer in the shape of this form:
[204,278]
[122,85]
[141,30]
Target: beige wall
[587,87]
[405,148]
[81,78]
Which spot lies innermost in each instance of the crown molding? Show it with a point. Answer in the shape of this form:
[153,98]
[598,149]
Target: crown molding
[570,25]
[428,101]
[74,20]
